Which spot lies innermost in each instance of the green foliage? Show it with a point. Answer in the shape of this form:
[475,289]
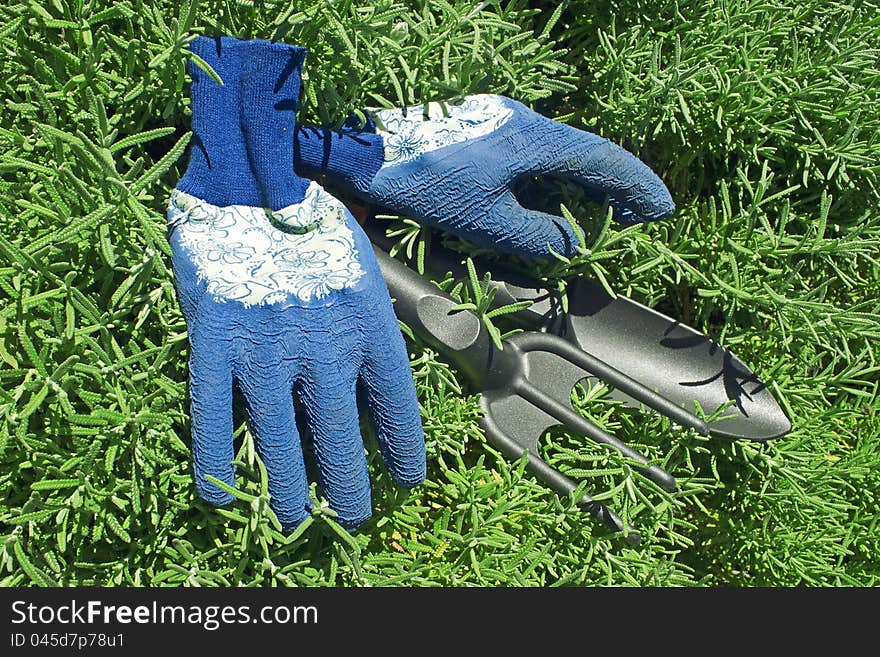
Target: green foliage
[763,119]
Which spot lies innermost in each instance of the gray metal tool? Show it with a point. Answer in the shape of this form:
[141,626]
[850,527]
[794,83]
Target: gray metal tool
[676,361]
[648,359]
[526,387]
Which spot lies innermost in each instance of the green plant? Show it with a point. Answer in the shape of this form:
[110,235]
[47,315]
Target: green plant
[761,117]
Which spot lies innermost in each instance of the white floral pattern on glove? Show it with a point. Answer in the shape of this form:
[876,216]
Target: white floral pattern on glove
[407,136]
[243,255]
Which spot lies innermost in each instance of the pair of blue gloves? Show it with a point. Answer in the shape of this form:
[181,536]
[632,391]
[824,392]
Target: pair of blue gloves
[281,292]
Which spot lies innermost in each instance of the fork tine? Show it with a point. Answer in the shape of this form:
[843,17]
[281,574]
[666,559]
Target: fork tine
[511,421]
[536,372]
[534,341]
[577,422]
[545,472]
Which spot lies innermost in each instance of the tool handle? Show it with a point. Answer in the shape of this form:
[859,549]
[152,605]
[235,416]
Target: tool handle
[509,286]
[428,311]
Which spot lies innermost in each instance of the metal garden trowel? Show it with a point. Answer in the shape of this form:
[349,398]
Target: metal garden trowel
[677,361]
[645,357]
[648,360]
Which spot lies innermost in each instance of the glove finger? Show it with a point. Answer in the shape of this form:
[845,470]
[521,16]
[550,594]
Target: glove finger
[394,407]
[269,398]
[328,397]
[606,169]
[515,229]
[210,388]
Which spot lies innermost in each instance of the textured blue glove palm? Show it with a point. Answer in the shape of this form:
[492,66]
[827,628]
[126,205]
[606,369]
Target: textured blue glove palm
[457,171]
[282,294]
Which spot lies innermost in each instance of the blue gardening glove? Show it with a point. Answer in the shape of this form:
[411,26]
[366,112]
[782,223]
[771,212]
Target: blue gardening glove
[282,294]
[457,171]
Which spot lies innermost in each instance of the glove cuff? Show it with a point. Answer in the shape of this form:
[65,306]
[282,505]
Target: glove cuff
[242,145]
[350,157]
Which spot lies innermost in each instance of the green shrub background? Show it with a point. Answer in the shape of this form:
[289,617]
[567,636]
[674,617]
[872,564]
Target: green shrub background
[763,118]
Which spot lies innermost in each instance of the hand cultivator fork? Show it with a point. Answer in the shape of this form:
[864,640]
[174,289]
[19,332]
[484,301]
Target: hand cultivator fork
[525,388]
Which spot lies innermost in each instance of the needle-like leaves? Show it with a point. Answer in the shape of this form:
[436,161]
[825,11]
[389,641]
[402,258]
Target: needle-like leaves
[762,118]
